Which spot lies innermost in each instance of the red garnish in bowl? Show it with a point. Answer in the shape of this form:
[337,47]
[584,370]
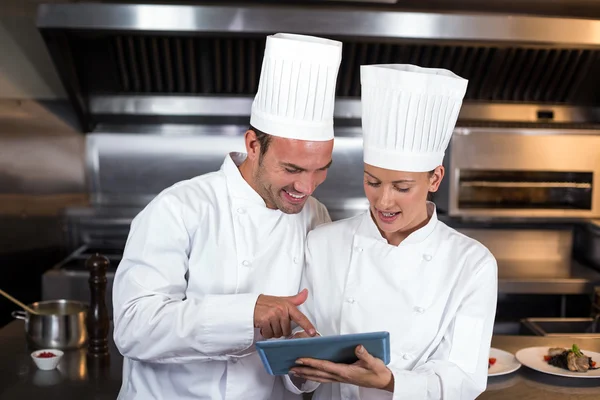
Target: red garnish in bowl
[46,354]
[492,361]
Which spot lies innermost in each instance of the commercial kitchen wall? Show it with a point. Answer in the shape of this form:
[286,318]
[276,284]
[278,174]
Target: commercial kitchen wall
[41,156]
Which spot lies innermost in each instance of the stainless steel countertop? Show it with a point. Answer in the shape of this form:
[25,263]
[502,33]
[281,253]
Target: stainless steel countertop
[527,384]
[75,379]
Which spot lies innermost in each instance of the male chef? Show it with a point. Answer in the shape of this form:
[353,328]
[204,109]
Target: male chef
[213,263]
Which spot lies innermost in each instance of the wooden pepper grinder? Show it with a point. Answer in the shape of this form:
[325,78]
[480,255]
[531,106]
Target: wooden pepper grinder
[97,317]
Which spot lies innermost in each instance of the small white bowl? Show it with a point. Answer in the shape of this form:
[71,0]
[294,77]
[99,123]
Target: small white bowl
[47,364]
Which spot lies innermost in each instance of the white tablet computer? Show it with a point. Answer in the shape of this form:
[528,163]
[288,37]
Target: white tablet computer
[279,355]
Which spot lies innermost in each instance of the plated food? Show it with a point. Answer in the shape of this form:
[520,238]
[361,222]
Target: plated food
[568,362]
[571,359]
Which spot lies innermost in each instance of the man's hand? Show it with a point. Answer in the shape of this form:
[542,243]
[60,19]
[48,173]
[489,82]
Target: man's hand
[273,315]
[368,371]
[302,334]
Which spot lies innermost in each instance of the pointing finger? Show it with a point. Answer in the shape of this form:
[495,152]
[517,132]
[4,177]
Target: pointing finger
[302,321]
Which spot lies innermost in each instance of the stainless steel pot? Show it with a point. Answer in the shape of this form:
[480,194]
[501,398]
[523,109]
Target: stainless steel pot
[60,324]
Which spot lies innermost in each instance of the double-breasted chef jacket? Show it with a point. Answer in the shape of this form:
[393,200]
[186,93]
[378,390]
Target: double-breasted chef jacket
[435,294]
[195,262]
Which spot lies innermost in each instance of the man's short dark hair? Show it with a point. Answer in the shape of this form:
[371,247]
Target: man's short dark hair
[264,139]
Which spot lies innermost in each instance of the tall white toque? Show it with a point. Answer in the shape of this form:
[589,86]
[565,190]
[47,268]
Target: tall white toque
[408,115]
[296,90]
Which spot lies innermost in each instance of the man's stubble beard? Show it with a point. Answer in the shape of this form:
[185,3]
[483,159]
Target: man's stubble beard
[266,192]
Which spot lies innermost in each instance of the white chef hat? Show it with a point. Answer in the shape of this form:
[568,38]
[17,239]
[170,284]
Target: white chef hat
[296,90]
[408,115]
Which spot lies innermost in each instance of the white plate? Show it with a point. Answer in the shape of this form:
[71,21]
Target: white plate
[505,363]
[533,357]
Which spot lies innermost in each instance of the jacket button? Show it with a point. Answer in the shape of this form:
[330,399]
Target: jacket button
[350,300]
[359,249]
[241,211]
[246,263]
[420,310]
[406,356]
[234,360]
[426,257]
[296,260]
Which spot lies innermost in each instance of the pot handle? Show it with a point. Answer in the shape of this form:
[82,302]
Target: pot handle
[19,315]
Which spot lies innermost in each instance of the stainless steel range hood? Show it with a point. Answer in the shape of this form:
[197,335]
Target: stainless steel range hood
[132,63]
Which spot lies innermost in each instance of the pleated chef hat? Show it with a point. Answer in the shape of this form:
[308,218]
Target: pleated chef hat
[296,90]
[408,115]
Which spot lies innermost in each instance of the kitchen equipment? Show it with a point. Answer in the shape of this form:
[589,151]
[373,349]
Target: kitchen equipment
[524,173]
[203,61]
[17,302]
[59,324]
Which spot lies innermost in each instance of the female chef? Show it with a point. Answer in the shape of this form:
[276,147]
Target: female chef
[396,267]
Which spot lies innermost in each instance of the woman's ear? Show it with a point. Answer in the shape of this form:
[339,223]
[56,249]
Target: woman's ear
[435,178]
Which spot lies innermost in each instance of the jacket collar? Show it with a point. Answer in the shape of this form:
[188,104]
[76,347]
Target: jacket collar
[368,227]
[237,185]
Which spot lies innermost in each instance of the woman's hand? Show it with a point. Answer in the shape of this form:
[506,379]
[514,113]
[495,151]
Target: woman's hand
[368,371]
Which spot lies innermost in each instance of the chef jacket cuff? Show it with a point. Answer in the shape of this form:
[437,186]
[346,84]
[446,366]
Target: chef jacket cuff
[409,385]
[231,318]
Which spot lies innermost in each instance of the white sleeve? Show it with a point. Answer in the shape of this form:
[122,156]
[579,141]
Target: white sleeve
[458,368]
[297,385]
[153,319]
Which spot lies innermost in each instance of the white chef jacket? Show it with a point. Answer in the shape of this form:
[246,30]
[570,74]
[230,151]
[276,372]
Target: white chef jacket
[196,259]
[435,294]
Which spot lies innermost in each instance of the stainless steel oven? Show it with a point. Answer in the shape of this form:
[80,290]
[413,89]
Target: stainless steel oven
[524,173]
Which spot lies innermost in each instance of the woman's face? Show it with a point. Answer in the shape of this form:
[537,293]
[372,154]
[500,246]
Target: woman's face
[398,199]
